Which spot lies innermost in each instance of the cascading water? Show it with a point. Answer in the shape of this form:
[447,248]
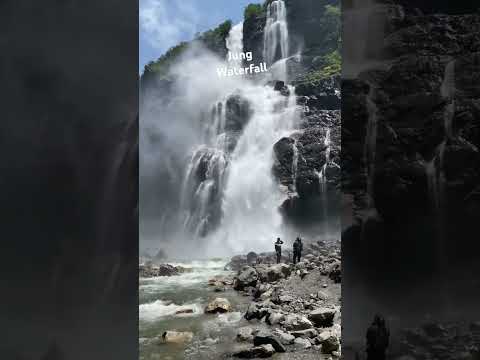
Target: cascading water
[229,196]
[447,91]
[251,195]
[276,40]
[370,149]
[234,43]
[437,181]
[322,179]
[434,168]
[323,173]
[294,166]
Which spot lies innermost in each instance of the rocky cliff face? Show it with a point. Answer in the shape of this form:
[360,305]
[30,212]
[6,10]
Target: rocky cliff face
[253,35]
[307,161]
[305,17]
[410,144]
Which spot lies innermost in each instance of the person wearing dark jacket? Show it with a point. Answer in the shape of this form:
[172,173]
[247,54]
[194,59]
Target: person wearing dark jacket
[297,250]
[377,339]
[278,250]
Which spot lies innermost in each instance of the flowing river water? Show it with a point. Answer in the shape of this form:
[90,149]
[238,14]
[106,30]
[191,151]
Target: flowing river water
[162,297]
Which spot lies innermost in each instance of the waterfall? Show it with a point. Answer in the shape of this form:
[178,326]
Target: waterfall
[201,189]
[447,90]
[436,178]
[322,180]
[229,197]
[294,166]
[275,41]
[370,147]
[434,168]
[251,197]
[234,42]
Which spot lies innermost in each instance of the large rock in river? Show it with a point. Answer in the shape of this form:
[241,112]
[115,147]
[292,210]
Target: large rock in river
[219,305]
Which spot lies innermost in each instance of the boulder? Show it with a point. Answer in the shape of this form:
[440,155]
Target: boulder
[296,322]
[308,333]
[329,342]
[150,270]
[237,113]
[247,277]
[262,351]
[274,318]
[303,273]
[284,337]
[277,272]
[219,288]
[301,343]
[278,85]
[245,334]
[256,311]
[218,305]
[264,337]
[284,299]
[335,272]
[236,263]
[322,317]
[177,337]
[252,258]
[321,295]
[475,327]
[434,329]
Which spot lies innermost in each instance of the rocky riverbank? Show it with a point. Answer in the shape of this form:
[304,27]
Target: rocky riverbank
[253,308]
[293,308]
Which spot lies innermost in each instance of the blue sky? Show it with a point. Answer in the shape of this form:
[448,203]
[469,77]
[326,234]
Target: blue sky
[164,23]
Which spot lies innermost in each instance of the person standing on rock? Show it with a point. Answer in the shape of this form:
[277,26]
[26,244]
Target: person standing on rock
[377,339]
[278,250]
[297,250]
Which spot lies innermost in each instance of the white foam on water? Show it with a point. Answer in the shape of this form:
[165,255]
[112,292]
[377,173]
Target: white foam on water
[160,309]
[221,321]
[201,272]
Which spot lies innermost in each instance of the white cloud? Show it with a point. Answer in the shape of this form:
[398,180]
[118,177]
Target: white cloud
[166,22]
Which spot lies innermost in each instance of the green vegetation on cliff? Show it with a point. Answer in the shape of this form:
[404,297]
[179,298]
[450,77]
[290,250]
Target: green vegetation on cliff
[326,54]
[253,10]
[330,64]
[331,24]
[161,66]
[214,40]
